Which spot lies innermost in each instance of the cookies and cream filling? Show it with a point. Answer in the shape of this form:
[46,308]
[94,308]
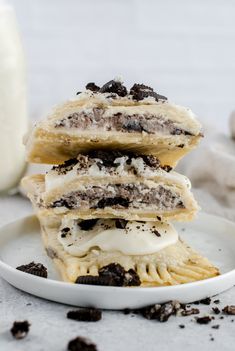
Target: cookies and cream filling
[113,108]
[161,118]
[100,163]
[128,237]
[120,196]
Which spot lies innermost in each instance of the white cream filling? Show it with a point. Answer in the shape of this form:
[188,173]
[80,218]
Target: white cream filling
[182,116]
[138,238]
[54,180]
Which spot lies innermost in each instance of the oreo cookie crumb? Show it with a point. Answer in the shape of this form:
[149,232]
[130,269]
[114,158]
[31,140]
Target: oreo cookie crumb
[20,329]
[206,301]
[111,275]
[37,269]
[151,161]
[107,157]
[215,326]
[222,317]
[167,168]
[161,312]
[112,201]
[115,87]
[131,278]
[212,339]
[66,166]
[93,87]
[159,218]
[115,272]
[156,232]
[229,310]
[141,91]
[203,320]
[216,310]
[189,312]
[64,232]
[85,315]
[87,224]
[121,223]
[94,280]
[216,302]
[81,344]
[182,326]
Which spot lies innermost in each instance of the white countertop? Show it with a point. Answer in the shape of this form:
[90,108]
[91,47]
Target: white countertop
[51,330]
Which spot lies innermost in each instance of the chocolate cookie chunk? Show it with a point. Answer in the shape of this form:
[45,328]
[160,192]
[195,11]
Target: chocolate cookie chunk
[93,87]
[107,157]
[87,224]
[131,278]
[20,329]
[121,223]
[85,315]
[229,310]
[81,344]
[34,268]
[94,280]
[141,91]
[113,201]
[111,275]
[203,320]
[115,87]
[115,272]
[66,166]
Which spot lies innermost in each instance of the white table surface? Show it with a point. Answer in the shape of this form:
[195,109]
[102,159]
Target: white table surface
[51,330]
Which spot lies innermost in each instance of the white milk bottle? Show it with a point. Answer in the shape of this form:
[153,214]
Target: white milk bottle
[13,114]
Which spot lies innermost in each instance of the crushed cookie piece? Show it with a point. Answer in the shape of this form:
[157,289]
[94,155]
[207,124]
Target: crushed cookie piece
[115,87]
[161,312]
[85,315]
[189,312]
[112,201]
[37,269]
[141,91]
[156,232]
[167,168]
[121,223]
[93,87]
[203,320]
[20,329]
[65,167]
[216,310]
[87,224]
[205,301]
[81,344]
[229,310]
[215,326]
[111,275]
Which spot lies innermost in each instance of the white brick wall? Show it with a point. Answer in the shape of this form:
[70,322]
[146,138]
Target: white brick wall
[184,48]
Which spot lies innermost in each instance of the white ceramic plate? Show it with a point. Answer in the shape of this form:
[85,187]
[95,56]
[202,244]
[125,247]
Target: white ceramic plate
[20,243]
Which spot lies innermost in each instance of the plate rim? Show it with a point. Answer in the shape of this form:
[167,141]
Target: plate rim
[62,284]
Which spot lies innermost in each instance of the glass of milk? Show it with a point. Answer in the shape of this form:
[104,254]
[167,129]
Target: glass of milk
[13,114]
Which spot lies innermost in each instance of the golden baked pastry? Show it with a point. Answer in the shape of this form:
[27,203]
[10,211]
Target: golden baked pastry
[112,118]
[174,264]
[113,184]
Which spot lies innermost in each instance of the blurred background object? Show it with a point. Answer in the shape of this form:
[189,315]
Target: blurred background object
[13,116]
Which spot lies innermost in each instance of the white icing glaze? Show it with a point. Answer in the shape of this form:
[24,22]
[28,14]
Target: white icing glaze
[138,238]
[53,179]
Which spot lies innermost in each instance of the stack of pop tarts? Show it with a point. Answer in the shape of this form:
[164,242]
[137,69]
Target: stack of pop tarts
[106,204]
